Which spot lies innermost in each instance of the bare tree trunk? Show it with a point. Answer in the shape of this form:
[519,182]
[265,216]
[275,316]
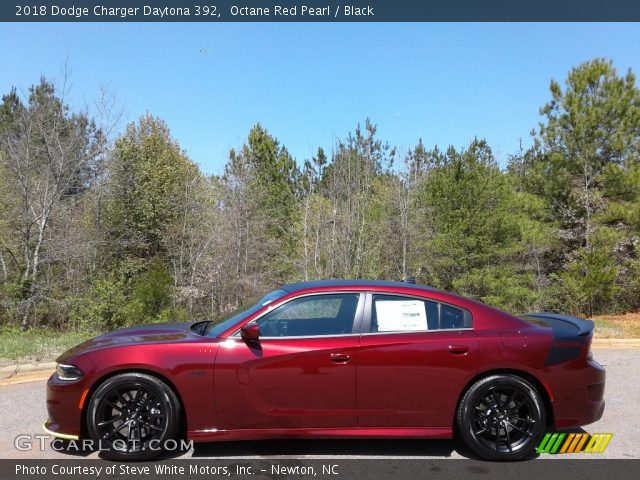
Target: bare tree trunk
[304,236]
[587,202]
[405,192]
[405,238]
[316,252]
[42,226]
[333,240]
[4,268]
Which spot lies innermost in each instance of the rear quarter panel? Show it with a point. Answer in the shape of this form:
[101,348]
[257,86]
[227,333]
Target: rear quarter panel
[574,386]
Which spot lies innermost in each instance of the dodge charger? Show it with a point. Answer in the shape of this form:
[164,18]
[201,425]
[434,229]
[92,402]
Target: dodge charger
[333,359]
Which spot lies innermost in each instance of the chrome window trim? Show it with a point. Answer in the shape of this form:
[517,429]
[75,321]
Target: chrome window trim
[419,332]
[236,336]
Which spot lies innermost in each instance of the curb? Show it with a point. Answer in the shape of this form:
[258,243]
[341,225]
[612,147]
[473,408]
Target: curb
[616,343]
[14,370]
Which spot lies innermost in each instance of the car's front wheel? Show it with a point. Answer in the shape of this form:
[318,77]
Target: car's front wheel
[501,417]
[131,416]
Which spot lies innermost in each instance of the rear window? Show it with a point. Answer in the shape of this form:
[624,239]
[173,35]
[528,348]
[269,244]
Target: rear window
[452,317]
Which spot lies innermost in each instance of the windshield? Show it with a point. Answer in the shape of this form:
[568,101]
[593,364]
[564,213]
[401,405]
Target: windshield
[217,327]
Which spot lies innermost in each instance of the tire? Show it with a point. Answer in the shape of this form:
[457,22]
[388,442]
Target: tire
[131,416]
[501,417]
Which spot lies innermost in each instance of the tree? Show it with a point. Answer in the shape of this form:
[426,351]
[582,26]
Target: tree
[348,182]
[152,251]
[147,177]
[261,195]
[194,245]
[586,167]
[98,236]
[591,126]
[245,229]
[311,224]
[273,170]
[48,154]
[475,230]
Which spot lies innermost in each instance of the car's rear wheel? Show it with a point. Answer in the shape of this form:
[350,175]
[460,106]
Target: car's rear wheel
[501,417]
[132,416]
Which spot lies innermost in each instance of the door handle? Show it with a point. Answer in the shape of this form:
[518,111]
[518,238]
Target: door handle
[339,357]
[458,349]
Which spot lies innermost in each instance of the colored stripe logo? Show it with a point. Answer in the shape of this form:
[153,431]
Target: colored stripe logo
[574,443]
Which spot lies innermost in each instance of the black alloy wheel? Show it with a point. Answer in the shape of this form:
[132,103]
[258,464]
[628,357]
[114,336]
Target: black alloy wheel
[132,415]
[501,417]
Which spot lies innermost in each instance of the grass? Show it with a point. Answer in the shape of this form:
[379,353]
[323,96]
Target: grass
[37,345]
[626,325]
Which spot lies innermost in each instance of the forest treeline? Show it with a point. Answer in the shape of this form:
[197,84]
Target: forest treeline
[97,233]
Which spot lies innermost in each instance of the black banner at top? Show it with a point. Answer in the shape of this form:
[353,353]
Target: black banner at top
[320,11]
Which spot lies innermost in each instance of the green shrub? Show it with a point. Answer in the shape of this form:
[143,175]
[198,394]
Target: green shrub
[137,292]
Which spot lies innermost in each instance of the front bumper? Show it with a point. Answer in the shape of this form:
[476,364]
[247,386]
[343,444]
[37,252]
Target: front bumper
[53,430]
[64,408]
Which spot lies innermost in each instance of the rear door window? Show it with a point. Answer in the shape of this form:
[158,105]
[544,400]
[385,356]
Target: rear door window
[394,313]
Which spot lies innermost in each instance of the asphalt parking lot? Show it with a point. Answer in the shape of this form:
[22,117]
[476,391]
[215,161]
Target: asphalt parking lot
[22,411]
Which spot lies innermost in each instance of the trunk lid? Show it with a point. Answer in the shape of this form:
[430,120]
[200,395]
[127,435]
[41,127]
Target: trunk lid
[562,324]
[571,335]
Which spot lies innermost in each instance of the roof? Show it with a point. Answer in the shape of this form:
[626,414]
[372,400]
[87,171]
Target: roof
[294,287]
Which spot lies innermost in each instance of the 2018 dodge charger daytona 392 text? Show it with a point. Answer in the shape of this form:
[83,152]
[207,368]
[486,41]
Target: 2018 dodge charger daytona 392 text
[334,359]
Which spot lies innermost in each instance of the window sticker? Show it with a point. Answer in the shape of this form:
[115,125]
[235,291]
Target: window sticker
[403,315]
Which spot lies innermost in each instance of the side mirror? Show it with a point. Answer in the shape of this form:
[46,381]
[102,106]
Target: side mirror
[250,332]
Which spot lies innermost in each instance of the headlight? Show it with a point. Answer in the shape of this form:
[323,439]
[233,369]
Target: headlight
[68,372]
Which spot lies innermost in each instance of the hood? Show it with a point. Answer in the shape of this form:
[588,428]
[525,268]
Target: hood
[144,334]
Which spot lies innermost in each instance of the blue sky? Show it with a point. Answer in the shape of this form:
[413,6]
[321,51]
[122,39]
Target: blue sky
[309,84]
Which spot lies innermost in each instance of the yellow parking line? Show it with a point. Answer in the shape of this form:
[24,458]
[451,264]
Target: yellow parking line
[27,377]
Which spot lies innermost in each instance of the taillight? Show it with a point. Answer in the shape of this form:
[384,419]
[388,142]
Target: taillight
[589,352]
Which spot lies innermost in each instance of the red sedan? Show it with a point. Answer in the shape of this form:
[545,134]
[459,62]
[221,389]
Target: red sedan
[333,359]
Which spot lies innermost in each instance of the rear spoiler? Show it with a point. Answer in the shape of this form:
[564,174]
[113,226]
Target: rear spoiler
[585,327]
